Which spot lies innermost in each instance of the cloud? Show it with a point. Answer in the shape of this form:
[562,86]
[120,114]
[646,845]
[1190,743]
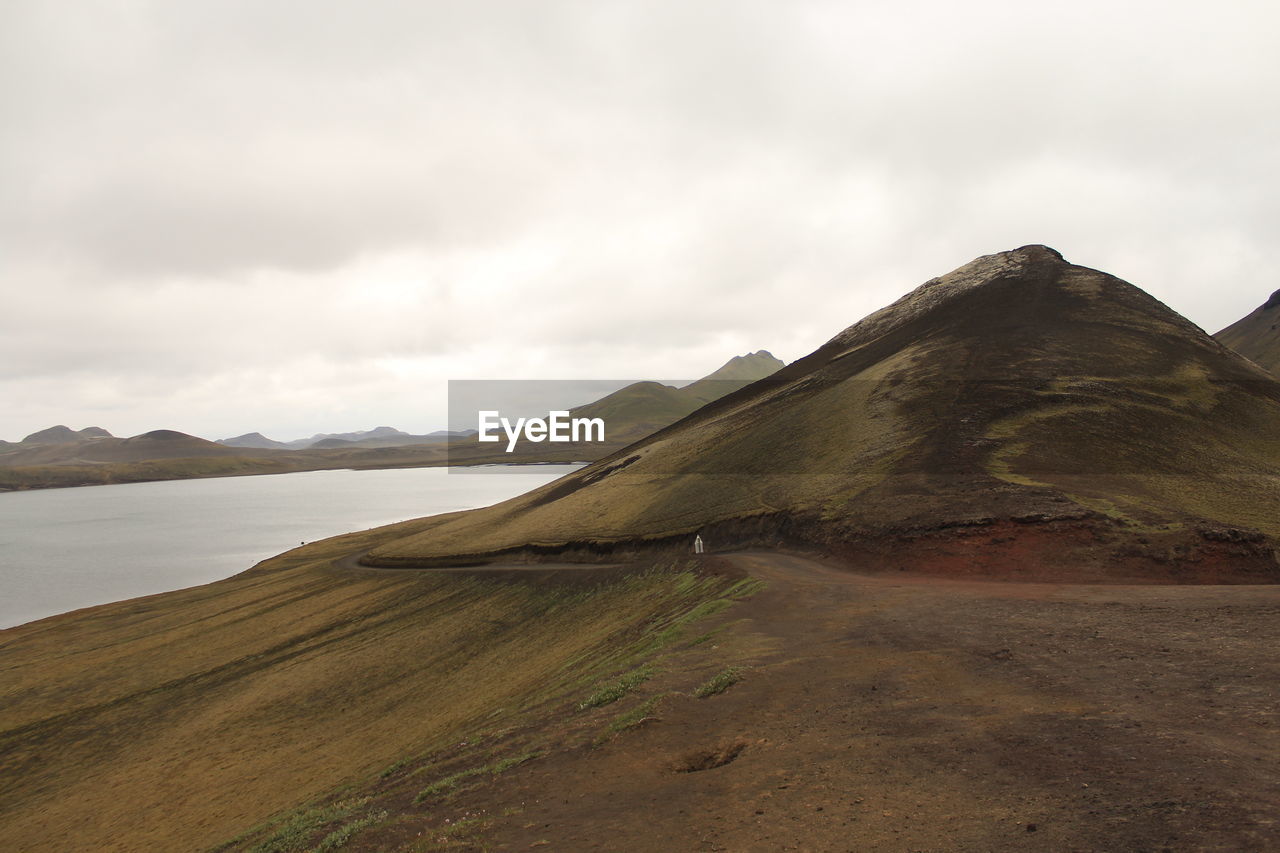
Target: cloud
[225,216]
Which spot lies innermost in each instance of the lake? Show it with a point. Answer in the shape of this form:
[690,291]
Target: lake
[63,549]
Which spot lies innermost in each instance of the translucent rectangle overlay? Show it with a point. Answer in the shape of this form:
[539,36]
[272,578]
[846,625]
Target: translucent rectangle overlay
[823,425]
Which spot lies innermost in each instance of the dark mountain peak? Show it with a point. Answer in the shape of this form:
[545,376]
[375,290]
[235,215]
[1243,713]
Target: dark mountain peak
[1272,302]
[1037,252]
[1027,263]
[94,432]
[1009,304]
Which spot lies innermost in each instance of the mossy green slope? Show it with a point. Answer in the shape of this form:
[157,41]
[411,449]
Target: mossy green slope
[1019,386]
[173,721]
[1257,336]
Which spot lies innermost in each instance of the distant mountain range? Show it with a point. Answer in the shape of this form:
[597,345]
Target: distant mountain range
[383,436]
[631,412]
[60,456]
[60,445]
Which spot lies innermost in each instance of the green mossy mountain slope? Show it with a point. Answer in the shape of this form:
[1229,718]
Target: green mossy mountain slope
[1018,388]
[1257,336]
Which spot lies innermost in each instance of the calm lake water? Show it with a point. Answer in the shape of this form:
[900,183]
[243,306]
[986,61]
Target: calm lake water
[63,549]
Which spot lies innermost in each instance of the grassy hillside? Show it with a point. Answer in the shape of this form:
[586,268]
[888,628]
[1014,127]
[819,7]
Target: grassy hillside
[1257,336]
[217,707]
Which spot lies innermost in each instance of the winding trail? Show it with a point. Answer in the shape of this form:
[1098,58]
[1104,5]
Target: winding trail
[351,562]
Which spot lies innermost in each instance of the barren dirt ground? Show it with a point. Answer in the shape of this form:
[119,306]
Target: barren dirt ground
[886,713]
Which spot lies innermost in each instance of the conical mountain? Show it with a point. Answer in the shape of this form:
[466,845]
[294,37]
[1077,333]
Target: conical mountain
[642,408]
[253,439]
[733,374]
[1257,336]
[59,434]
[1020,416]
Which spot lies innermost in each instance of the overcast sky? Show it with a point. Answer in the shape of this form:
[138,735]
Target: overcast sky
[305,216]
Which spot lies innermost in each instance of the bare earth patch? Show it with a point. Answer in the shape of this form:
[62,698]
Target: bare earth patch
[923,714]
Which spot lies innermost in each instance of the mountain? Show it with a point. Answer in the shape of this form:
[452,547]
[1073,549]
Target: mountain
[1019,416]
[253,439]
[630,414]
[1257,336]
[64,435]
[382,433]
[155,445]
[739,370]
[53,435]
[333,444]
[638,409]
[162,444]
[383,436]
[642,408]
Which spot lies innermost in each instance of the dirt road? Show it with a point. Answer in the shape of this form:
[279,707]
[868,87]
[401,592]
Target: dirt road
[883,713]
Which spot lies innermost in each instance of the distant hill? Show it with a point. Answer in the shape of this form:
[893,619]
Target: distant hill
[53,435]
[639,409]
[332,444]
[643,408]
[64,435]
[741,369]
[161,444]
[253,439]
[154,445]
[382,434]
[1257,336]
[630,414]
[1020,416]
